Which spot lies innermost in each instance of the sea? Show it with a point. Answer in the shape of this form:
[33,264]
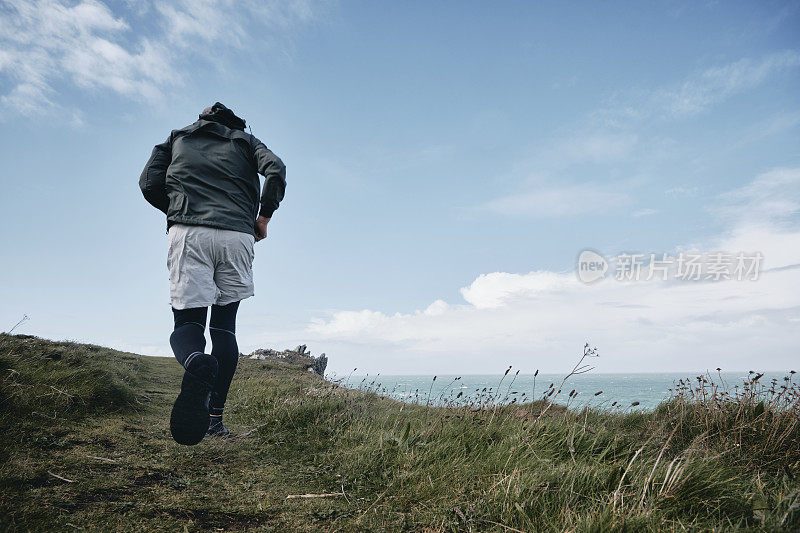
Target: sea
[613,391]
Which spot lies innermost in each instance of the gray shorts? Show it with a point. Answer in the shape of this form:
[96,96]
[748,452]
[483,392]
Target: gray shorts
[209,266]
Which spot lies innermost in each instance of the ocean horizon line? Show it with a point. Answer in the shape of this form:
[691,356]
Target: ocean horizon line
[582,374]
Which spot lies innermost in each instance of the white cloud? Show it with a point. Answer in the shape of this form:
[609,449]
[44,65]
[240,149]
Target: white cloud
[644,212]
[48,40]
[498,288]
[106,65]
[556,183]
[773,196]
[699,91]
[348,322]
[718,83]
[541,319]
[50,44]
[610,145]
[439,307]
[203,20]
[570,200]
[763,214]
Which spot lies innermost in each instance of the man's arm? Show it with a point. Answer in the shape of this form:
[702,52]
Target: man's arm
[273,169]
[153,180]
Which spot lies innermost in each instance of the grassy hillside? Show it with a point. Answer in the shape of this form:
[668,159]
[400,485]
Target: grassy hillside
[86,445]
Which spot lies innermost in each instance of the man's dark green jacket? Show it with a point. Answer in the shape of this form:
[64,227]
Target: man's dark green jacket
[206,174]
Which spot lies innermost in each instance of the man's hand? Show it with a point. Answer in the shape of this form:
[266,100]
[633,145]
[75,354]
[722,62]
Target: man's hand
[261,228]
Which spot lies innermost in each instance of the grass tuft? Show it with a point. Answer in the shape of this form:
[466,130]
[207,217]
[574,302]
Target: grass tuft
[64,379]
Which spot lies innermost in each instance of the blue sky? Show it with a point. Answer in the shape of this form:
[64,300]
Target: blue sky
[446,164]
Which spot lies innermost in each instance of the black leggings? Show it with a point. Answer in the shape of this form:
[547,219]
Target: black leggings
[189,337]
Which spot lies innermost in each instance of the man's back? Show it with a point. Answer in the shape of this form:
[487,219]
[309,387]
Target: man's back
[212,179]
[206,174]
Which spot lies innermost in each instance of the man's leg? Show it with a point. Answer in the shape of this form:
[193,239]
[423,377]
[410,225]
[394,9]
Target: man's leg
[226,351]
[189,418]
[188,338]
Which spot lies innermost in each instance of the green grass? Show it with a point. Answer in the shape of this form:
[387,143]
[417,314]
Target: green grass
[99,418]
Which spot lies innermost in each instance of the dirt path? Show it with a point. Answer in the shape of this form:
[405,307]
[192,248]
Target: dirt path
[124,472]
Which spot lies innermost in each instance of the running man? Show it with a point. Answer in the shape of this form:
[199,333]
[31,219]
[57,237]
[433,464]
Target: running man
[204,177]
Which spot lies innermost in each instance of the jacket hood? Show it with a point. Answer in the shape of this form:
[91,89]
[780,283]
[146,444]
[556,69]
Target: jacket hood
[223,115]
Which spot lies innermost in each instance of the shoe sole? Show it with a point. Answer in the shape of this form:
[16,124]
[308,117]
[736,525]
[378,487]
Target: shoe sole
[189,420]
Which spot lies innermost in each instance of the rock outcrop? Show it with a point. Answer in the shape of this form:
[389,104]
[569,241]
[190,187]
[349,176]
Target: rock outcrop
[299,356]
